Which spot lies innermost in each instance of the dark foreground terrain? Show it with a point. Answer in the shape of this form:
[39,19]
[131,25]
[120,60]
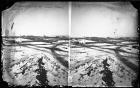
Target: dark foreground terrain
[35,60]
[104,62]
[94,61]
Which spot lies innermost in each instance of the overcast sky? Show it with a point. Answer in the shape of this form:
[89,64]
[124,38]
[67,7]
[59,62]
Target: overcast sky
[103,20]
[50,19]
[51,22]
[96,19]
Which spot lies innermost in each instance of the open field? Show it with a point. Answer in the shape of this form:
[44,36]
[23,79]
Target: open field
[35,61]
[102,62]
[94,61]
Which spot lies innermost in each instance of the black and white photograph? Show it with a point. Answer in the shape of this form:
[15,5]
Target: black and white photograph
[74,44]
[35,44]
[104,47]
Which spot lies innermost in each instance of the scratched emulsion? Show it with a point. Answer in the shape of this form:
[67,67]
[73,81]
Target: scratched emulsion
[104,45]
[99,62]
[34,64]
[34,50]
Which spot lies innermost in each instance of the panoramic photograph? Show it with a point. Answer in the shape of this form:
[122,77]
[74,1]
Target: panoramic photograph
[77,44]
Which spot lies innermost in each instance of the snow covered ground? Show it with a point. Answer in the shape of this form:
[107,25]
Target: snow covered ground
[97,62]
[30,63]
[103,64]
